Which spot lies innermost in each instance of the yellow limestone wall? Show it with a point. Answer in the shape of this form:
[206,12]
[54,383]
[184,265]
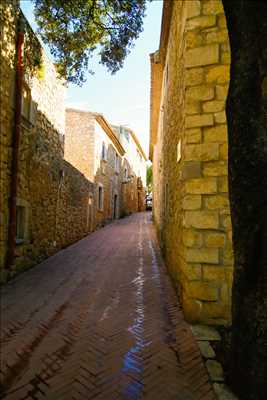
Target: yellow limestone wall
[192,207]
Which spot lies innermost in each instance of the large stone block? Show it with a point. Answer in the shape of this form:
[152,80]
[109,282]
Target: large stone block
[191,169]
[221,92]
[218,168]
[192,238]
[192,107]
[213,106]
[218,74]
[193,39]
[201,152]
[204,21]
[212,7]
[201,291]
[223,151]
[201,219]
[194,76]
[203,55]
[218,36]
[220,117]
[201,92]
[193,135]
[215,239]
[223,184]
[214,274]
[201,186]
[219,202]
[192,202]
[216,134]
[192,8]
[199,120]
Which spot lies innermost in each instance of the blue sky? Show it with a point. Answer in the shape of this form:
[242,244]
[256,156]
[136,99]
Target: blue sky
[123,98]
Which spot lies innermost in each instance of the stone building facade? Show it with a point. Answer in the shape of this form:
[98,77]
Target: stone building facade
[188,147]
[133,171]
[52,195]
[93,148]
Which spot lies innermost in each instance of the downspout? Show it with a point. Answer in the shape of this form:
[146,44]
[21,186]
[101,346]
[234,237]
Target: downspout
[15,146]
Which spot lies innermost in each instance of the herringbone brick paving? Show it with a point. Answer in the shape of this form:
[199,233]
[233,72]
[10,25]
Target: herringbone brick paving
[100,320]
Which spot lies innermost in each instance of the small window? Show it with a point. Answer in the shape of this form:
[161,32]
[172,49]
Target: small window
[125,174]
[117,163]
[20,223]
[100,198]
[104,152]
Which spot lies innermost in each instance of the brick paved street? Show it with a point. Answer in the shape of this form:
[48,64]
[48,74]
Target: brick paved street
[100,320]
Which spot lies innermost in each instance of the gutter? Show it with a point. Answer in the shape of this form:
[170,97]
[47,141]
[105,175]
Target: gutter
[15,146]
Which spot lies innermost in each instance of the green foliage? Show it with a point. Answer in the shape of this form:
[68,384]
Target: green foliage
[149,178]
[74,29]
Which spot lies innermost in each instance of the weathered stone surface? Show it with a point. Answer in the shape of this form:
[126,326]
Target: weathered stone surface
[215,239]
[216,134]
[201,291]
[201,92]
[203,256]
[199,120]
[215,370]
[192,107]
[192,238]
[193,40]
[193,9]
[194,76]
[219,36]
[201,186]
[223,184]
[212,7]
[213,273]
[203,332]
[217,202]
[202,152]
[193,135]
[220,117]
[219,74]
[201,219]
[191,169]
[221,92]
[203,21]
[206,349]
[223,151]
[192,202]
[204,55]
[215,168]
[213,106]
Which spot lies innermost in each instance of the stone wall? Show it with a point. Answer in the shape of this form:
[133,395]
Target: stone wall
[190,160]
[54,199]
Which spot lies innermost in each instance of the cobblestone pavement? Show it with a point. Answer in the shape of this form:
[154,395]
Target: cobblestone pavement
[100,320]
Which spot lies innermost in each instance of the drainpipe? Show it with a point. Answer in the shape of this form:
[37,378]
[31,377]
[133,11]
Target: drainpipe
[15,146]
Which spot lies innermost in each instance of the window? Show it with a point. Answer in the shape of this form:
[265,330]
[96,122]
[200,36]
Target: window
[104,152]
[100,198]
[117,163]
[20,223]
[125,174]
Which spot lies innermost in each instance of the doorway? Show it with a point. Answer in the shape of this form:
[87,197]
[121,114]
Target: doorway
[115,205]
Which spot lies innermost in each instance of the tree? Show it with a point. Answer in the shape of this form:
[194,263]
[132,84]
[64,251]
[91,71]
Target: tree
[247,130]
[74,29]
[149,178]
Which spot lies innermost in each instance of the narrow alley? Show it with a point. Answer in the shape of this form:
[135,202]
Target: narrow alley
[105,324]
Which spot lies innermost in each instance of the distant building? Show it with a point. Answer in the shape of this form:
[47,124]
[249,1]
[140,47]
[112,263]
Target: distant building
[94,149]
[134,170]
